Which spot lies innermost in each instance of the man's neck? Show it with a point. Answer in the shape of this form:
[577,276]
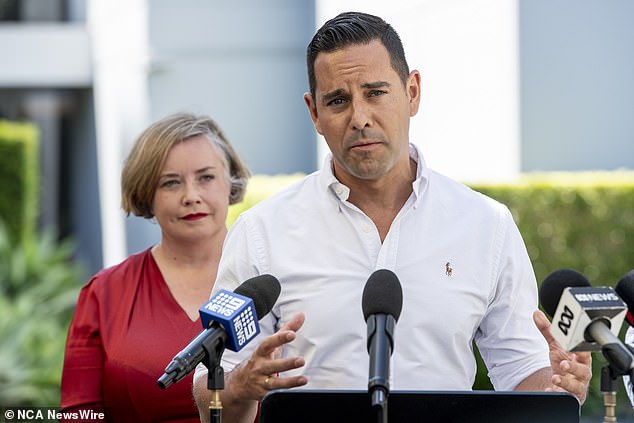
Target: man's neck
[382,199]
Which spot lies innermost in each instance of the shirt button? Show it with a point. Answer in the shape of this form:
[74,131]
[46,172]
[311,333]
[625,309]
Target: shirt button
[339,190]
[366,228]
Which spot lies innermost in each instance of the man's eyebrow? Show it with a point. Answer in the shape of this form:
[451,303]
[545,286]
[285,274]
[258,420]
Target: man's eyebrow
[326,98]
[377,84]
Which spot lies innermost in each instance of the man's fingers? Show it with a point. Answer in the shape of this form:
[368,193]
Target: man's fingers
[285,335]
[543,324]
[268,346]
[280,365]
[284,382]
[584,358]
[295,323]
[579,369]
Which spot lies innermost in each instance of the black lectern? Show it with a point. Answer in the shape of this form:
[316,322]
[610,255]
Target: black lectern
[321,406]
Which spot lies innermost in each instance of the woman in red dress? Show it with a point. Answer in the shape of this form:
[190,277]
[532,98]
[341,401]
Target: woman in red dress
[132,318]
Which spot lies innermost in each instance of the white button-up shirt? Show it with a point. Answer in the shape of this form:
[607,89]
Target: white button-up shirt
[460,259]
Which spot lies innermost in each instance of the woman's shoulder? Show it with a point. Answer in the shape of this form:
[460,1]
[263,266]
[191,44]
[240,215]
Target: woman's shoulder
[120,276]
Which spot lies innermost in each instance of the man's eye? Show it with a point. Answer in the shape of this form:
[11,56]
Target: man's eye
[336,102]
[376,93]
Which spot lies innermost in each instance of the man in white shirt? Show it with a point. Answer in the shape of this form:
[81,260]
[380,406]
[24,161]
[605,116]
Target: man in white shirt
[375,204]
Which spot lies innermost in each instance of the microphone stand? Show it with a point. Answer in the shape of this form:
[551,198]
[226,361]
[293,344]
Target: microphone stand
[378,384]
[215,383]
[608,387]
[214,347]
[379,404]
[620,362]
[620,358]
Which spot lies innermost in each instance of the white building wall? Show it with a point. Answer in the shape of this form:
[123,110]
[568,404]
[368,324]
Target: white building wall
[120,72]
[45,55]
[577,85]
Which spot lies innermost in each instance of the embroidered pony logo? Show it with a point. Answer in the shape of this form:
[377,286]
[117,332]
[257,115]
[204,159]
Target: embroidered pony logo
[448,269]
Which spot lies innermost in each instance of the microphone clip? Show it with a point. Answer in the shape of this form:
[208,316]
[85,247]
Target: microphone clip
[214,347]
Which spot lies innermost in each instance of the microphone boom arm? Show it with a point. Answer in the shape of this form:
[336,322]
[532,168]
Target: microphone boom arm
[618,355]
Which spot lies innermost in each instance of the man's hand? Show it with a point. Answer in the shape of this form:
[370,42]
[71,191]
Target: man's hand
[248,382]
[253,378]
[571,371]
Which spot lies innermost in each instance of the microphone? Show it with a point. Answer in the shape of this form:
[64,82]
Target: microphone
[230,320]
[586,318]
[553,287]
[625,289]
[382,302]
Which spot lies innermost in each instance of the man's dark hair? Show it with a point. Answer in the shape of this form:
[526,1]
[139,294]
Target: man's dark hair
[351,28]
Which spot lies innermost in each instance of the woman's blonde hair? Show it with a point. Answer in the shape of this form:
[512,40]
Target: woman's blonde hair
[142,168]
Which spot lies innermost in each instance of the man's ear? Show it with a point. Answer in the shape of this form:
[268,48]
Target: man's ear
[312,109]
[413,91]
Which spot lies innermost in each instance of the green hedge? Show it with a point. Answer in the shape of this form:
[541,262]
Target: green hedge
[582,221]
[19,171]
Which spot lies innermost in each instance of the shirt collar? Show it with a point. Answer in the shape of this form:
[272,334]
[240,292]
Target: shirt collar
[340,191]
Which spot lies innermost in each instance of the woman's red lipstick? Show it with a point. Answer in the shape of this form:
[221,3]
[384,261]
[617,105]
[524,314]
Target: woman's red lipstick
[194,216]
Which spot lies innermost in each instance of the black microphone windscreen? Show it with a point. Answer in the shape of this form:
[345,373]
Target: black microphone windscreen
[625,289]
[553,286]
[382,295]
[263,290]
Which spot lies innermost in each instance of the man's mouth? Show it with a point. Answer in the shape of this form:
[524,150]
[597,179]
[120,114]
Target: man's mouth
[365,145]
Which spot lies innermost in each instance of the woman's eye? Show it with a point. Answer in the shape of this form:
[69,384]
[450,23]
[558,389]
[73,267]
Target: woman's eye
[169,183]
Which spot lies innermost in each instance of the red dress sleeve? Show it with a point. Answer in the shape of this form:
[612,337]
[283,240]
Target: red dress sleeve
[83,359]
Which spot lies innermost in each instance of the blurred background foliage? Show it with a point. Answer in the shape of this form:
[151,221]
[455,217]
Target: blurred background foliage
[583,221]
[38,289]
